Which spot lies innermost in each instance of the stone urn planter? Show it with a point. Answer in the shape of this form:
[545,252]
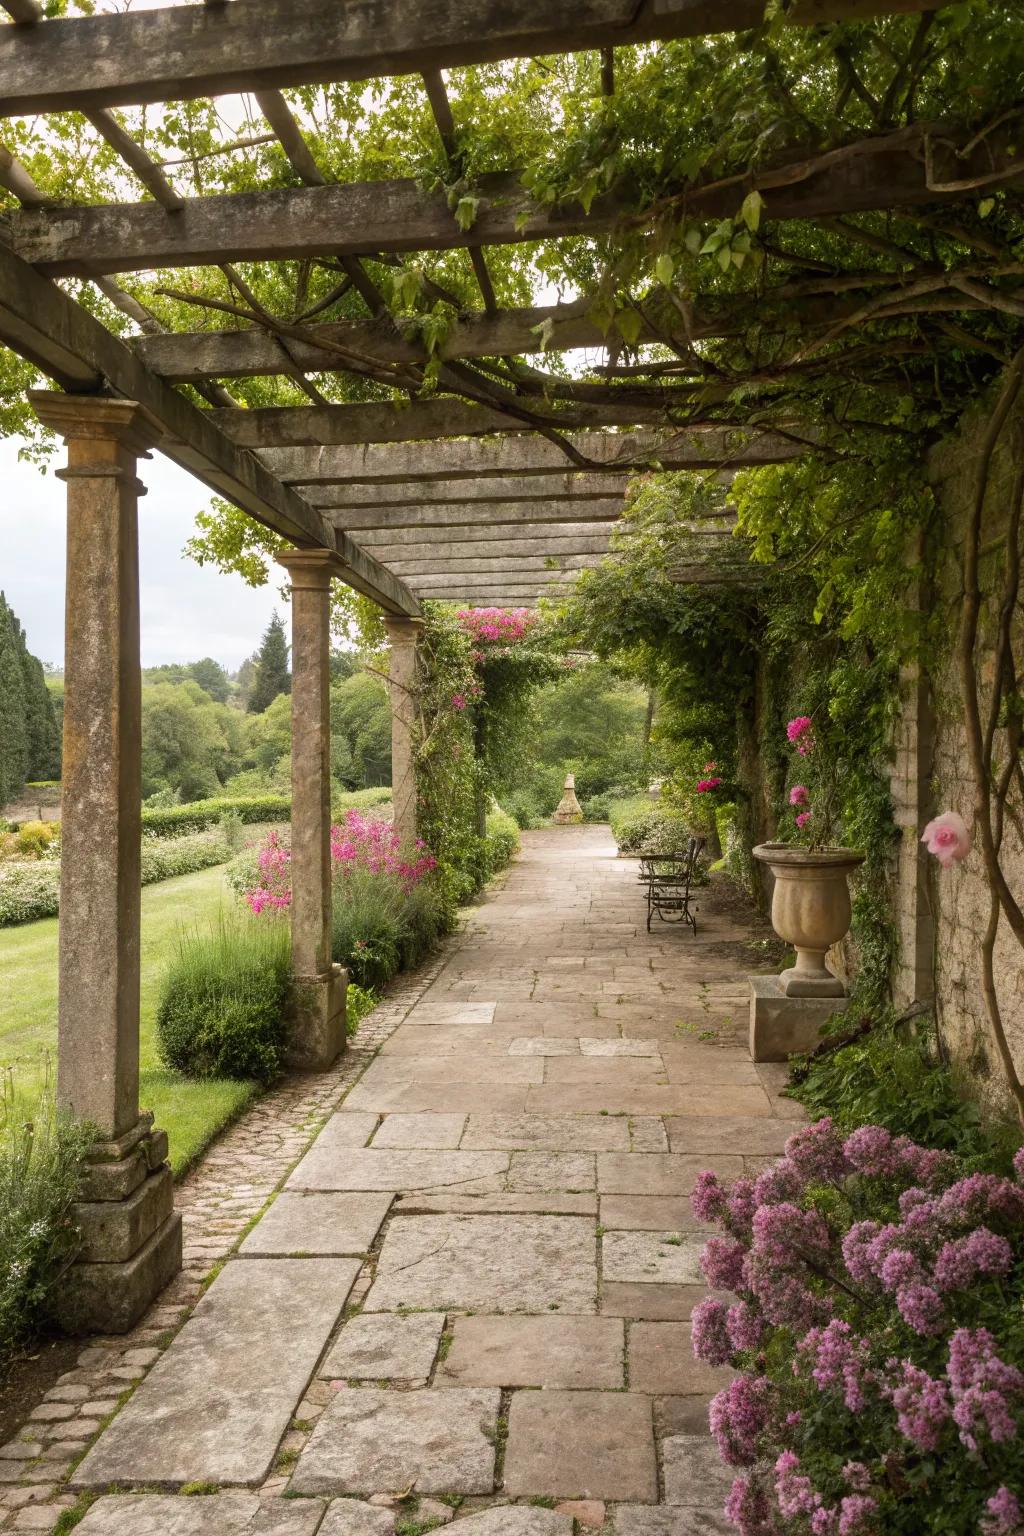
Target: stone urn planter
[810,910]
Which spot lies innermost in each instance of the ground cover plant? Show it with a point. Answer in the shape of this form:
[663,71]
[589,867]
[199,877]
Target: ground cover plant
[878,1334]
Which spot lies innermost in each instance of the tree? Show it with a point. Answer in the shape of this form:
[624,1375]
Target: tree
[212,679]
[272,675]
[13,735]
[361,715]
[189,743]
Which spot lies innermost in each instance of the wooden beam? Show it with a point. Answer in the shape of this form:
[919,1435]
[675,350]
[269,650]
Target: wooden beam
[483,515]
[361,219]
[394,556]
[473,458]
[435,497]
[513,535]
[444,416]
[191,357]
[67,343]
[505,566]
[183,52]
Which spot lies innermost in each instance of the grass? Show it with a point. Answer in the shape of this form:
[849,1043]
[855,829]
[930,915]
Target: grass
[191,1112]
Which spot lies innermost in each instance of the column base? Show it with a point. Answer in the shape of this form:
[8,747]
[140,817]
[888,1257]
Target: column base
[782,1025]
[318,1034]
[130,1234]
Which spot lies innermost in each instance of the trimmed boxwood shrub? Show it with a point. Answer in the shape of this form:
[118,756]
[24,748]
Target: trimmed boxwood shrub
[224,1004]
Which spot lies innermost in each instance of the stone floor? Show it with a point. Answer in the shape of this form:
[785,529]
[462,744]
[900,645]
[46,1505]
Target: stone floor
[470,1300]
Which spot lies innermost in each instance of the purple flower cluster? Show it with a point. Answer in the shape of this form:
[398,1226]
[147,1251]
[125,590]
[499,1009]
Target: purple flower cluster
[864,1271]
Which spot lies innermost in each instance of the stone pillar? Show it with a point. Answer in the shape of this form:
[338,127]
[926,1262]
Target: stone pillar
[910,781]
[318,1024]
[404,635]
[131,1236]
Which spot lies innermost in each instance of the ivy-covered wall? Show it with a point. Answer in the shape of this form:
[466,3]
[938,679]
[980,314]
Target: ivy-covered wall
[943,915]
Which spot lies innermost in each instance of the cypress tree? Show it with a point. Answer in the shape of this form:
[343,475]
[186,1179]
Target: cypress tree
[42,742]
[272,675]
[13,733]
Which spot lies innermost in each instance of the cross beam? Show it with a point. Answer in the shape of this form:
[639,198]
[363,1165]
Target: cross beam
[183,52]
[434,497]
[71,347]
[616,452]
[487,514]
[365,218]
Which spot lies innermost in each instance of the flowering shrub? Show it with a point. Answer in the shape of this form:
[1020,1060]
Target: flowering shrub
[359,842]
[704,786]
[505,626]
[879,1337]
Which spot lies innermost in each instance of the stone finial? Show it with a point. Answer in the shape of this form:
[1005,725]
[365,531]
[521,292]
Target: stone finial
[569,810]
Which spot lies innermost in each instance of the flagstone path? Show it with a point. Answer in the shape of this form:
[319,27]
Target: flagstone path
[475,1287]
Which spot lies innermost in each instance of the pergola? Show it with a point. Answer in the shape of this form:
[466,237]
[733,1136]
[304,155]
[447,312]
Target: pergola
[496,489]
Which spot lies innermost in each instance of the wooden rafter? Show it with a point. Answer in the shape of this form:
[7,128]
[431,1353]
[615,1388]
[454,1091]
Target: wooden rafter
[73,348]
[361,219]
[383,517]
[434,494]
[189,51]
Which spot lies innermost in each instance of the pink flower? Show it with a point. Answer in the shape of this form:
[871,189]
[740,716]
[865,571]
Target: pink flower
[704,785]
[710,767]
[948,838]
[799,795]
[458,701]
[1004,1517]
[737,1416]
[803,817]
[709,1332]
[855,1514]
[798,732]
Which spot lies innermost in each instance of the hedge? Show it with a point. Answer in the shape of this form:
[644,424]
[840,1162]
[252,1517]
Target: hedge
[206,813]
[31,891]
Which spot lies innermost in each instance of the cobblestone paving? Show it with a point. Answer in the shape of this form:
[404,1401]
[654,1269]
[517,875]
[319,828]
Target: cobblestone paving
[472,1302]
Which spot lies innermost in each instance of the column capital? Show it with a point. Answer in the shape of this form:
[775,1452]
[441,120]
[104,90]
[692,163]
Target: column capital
[312,569]
[402,628]
[97,417]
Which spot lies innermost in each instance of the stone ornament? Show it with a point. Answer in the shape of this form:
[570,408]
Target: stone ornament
[569,810]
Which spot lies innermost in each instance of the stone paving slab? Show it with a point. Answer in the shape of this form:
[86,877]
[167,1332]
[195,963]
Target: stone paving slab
[647,1213]
[540,1045]
[645,1099]
[516,1520]
[590,1046]
[372,1441]
[547,1133]
[487,1263]
[654,1173]
[439,1133]
[555,1202]
[661,1362]
[657,1302]
[546,1351]
[298,1223]
[215,1405]
[500,1070]
[353,1517]
[453,1097]
[605,1071]
[552,1170]
[377,1347]
[370,1168]
[728,1133]
[222,1514]
[661,1257]
[581,1445]
[695,1474]
[655,1520]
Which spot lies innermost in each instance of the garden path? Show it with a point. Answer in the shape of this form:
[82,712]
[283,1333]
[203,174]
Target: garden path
[499,1205]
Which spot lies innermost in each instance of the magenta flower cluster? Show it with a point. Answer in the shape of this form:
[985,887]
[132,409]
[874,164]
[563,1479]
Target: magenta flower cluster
[497,626]
[360,842]
[704,786]
[875,1336]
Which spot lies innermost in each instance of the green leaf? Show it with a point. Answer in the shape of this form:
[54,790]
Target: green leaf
[725,258]
[750,212]
[985,207]
[692,239]
[466,211]
[664,268]
[630,326]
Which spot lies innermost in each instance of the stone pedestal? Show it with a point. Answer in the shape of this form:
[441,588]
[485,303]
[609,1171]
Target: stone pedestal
[403,635]
[131,1238]
[783,1026]
[318,1022]
[569,811]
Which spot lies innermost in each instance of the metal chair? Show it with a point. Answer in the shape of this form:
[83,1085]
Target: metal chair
[669,880]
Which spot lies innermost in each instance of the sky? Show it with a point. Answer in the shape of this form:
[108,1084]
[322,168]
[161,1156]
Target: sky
[187,612]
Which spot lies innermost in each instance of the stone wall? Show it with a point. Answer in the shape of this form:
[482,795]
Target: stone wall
[942,914]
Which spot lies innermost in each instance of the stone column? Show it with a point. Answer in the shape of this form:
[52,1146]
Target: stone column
[404,635]
[131,1237]
[318,1025]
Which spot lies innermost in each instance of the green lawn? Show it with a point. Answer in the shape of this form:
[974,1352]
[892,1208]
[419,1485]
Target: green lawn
[191,1112]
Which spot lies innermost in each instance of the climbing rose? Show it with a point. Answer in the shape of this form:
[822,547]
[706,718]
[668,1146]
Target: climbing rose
[948,838]
[799,734]
[803,818]
[458,701]
[799,795]
[704,785]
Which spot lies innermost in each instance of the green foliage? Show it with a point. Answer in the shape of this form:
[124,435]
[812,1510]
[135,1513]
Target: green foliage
[209,674]
[360,730]
[224,1001]
[189,743]
[31,891]
[39,1170]
[643,826]
[272,675]
[591,723]
[501,840]
[379,927]
[29,738]
[892,1076]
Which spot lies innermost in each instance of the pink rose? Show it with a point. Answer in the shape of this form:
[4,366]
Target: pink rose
[803,818]
[948,838]
[798,795]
